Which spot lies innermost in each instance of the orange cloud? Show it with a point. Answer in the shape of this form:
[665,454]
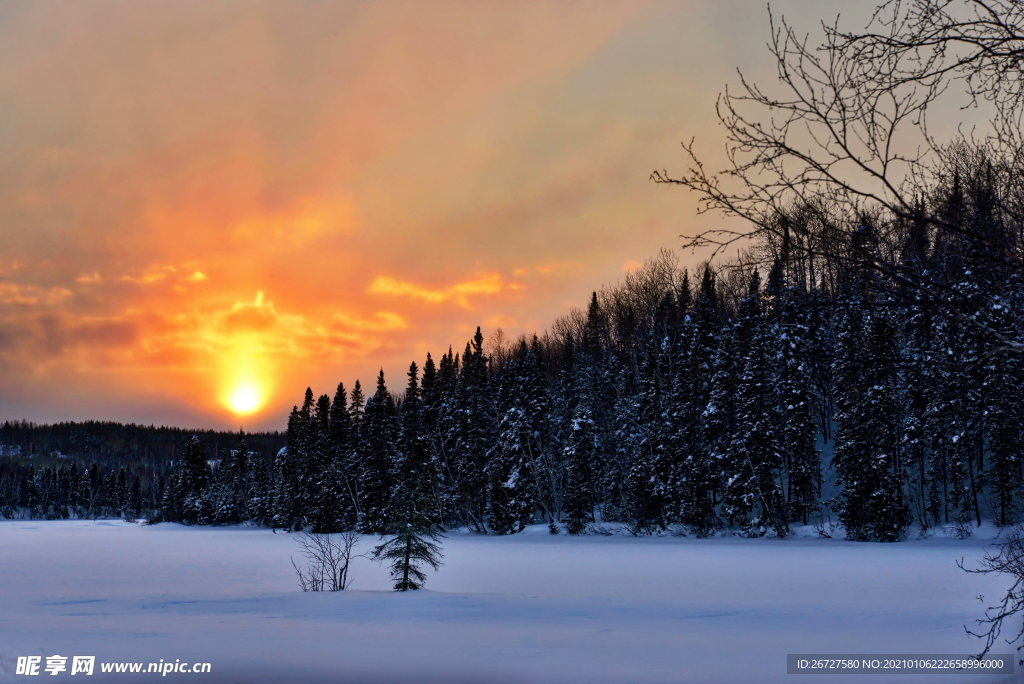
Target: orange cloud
[31,295]
[153,274]
[490,284]
[381,321]
[221,350]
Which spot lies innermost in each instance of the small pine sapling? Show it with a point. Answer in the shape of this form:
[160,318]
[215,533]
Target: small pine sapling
[415,532]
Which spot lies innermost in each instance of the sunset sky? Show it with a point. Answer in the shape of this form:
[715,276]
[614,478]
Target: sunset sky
[207,206]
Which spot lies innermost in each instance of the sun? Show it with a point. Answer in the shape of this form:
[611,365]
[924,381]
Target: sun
[244,399]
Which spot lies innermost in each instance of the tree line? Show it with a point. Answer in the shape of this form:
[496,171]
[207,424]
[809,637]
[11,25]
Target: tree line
[782,388]
[776,390]
[90,469]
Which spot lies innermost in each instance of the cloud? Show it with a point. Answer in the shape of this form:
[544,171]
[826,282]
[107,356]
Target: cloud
[165,274]
[153,274]
[381,321]
[199,353]
[32,295]
[256,316]
[489,284]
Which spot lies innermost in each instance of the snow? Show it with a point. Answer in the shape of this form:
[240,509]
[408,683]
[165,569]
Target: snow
[532,607]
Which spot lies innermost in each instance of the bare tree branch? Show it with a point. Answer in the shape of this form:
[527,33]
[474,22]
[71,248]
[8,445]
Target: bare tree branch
[846,137]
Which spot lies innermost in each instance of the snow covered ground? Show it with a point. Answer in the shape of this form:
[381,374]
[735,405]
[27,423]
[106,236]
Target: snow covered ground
[527,608]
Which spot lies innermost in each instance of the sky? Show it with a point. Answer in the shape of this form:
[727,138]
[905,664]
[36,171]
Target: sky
[207,207]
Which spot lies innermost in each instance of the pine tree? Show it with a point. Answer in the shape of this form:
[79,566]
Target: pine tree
[412,415]
[1005,443]
[356,409]
[308,460]
[230,489]
[357,413]
[345,471]
[580,452]
[29,492]
[918,369]
[325,514]
[796,399]
[513,463]
[135,499]
[414,531]
[122,492]
[871,504]
[754,461]
[611,481]
[595,331]
[469,436]
[706,410]
[444,438]
[720,415]
[284,511]
[195,480]
[380,459]
[430,393]
[170,502]
[260,490]
[74,481]
[647,475]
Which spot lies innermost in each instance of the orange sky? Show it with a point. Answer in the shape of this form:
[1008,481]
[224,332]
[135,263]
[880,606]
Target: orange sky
[206,203]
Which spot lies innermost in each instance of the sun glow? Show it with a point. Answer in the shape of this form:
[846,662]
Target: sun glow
[241,337]
[244,399]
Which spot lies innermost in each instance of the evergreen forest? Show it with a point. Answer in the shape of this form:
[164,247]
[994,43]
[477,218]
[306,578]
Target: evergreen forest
[775,390]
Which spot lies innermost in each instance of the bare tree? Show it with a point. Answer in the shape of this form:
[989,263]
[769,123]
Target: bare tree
[980,42]
[329,556]
[1008,561]
[845,138]
[831,133]
[499,350]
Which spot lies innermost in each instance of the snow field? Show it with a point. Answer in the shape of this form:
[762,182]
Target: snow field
[526,608]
